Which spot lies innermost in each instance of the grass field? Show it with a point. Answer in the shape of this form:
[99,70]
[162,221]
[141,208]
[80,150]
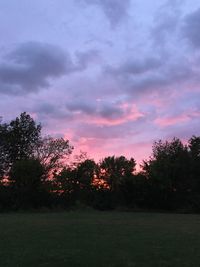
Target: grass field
[99,239]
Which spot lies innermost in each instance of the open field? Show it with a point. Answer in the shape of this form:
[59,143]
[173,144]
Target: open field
[99,239]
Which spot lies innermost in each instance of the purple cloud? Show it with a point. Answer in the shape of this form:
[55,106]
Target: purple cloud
[31,66]
[191,28]
[115,10]
[108,91]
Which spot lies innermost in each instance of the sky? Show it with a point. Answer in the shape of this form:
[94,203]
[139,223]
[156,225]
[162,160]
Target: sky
[111,76]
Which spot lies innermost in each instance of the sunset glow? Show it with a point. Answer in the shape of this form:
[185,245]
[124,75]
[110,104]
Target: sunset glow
[111,80]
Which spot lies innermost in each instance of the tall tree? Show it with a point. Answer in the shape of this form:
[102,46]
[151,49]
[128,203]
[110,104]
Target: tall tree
[168,172]
[86,172]
[194,152]
[115,169]
[52,153]
[23,136]
[4,150]
[26,183]
[75,181]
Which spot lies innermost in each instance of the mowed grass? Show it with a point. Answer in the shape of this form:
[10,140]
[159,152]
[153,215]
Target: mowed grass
[95,239]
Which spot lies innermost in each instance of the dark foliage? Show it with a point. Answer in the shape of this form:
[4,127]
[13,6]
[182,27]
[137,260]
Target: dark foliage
[35,172]
[26,183]
[4,150]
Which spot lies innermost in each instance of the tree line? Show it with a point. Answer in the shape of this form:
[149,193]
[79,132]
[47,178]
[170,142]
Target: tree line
[36,172]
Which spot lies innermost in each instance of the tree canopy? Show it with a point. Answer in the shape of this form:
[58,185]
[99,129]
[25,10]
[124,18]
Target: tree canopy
[37,171]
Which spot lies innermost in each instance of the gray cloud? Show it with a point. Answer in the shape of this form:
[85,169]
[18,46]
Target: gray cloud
[138,78]
[81,106]
[31,65]
[166,22]
[106,132]
[112,111]
[172,74]
[191,28]
[102,109]
[77,109]
[115,10]
[54,110]
[46,109]
[136,66]
[85,58]
[164,29]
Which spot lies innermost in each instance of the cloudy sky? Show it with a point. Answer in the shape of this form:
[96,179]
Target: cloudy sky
[112,76]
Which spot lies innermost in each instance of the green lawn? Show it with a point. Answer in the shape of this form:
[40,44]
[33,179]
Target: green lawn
[99,239]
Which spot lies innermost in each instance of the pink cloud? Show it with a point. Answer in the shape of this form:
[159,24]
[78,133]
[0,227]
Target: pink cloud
[99,148]
[168,121]
[129,113]
[182,118]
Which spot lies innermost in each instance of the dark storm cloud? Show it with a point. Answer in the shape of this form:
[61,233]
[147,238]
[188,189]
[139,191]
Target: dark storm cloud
[191,28]
[31,65]
[115,10]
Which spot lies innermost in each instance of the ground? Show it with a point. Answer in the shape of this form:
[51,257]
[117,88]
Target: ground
[99,239]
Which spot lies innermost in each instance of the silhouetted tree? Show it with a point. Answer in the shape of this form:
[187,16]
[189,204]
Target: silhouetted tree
[23,136]
[167,172]
[75,181]
[134,189]
[26,183]
[194,165]
[194,150]
[4,150]
[17,141]
[52,153]
[23,154]
[86,172]
[35,171]
[66,186]
[115,171]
